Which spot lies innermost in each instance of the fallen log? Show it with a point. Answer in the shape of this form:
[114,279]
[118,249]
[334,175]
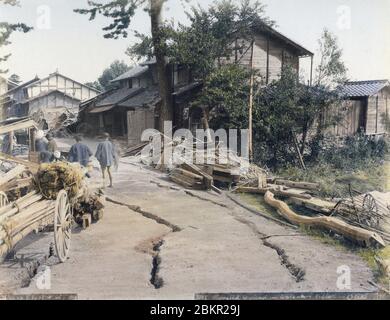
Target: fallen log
[357,234]
[280,193]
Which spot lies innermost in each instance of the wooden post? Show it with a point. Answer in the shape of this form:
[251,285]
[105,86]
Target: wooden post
[250,138]
[311,71]
[267,69]
[11,142]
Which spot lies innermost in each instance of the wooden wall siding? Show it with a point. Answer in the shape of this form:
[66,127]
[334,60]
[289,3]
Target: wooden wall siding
[376,112]
[54,100]
[63,84]
[137,122]
[269,57]
[352,119]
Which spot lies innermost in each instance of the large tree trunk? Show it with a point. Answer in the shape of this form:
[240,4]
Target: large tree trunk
[163,72]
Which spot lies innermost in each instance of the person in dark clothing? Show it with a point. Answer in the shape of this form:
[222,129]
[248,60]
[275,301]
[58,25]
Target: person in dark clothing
[52,144]
[41,146]
[105,154]
[6,146]
[80,152]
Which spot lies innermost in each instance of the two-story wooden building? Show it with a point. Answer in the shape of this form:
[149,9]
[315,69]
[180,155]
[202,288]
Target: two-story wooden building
[48,97]
[130,108]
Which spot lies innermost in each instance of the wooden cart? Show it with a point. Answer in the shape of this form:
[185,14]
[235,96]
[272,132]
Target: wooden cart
[60,217]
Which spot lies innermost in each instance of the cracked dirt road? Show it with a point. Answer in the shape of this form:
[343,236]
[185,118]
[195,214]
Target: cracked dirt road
[157,241]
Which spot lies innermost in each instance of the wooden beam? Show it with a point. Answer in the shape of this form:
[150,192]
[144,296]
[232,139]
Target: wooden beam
[12,174]
[338,226]
[267,69]
[20,125]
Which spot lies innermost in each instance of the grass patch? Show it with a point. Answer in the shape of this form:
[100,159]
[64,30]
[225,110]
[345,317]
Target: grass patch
[334,182]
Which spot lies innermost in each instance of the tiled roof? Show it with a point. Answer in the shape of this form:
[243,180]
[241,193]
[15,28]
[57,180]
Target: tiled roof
[132,73]
[148,97]
[363,88]
[117,96]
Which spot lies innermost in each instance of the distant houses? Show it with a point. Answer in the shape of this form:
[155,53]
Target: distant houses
[45,99]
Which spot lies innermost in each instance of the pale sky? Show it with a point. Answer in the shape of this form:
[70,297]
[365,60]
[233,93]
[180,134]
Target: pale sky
[70,43]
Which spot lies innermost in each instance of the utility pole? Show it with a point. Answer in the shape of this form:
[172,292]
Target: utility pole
[250,137]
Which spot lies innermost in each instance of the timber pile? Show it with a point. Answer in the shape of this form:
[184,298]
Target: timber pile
[20,218]
[133,151]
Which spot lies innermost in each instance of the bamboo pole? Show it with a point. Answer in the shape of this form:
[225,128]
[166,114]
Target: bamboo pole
[351,232]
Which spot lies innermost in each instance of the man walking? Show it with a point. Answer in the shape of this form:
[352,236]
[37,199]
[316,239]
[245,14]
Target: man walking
[52,144]
[105,154]
[80,152]
[41,147]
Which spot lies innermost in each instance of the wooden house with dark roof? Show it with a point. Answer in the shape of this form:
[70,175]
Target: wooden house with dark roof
[366,108]
[130,108]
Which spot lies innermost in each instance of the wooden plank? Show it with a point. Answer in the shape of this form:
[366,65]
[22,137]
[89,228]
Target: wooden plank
[208,180]
[276,192]
[12,174]
[314,204]
[25,124]
[28,164]
[297,184]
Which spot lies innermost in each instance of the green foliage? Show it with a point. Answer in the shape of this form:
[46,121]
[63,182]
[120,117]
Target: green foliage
[119,11]
[354,152]
[209,37]
[6,29]
[113,71]
[331,70]
[226,94]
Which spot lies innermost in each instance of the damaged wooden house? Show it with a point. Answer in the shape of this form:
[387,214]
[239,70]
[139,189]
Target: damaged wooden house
[126,111]
[51,101]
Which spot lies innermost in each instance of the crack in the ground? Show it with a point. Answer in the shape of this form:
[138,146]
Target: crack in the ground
[147,215]
[155,278]
[297,272]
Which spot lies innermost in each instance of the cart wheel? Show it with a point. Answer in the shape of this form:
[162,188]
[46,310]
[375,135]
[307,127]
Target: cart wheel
[369,204]
[3,199]
[62,225]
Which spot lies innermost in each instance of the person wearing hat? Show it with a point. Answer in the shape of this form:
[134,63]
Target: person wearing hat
[105,154]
